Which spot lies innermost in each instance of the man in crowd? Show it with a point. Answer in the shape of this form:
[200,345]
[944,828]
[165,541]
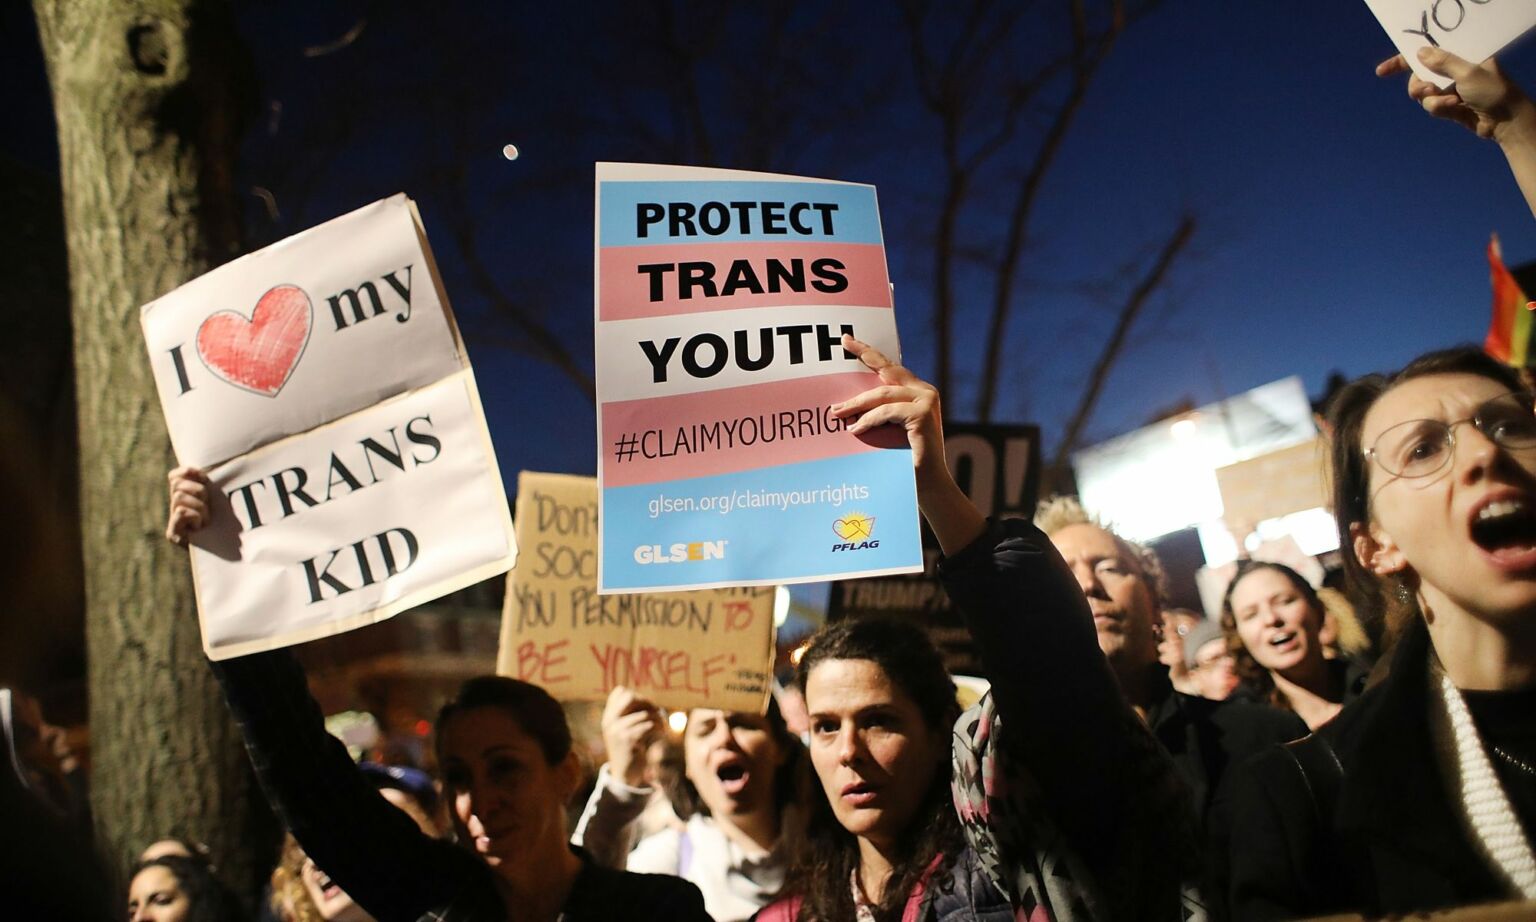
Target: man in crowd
[1124,583]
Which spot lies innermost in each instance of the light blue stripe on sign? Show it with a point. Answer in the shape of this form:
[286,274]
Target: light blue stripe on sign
[719,212]
[813,520]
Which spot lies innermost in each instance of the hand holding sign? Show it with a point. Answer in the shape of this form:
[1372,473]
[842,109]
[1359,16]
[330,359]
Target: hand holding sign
[1482,100]
[907,401]
[322,386]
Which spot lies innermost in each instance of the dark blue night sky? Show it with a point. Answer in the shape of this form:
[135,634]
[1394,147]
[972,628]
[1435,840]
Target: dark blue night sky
[1339,226]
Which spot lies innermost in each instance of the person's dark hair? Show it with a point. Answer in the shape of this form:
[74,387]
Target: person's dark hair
[209,899]
[1255,678]
[789,782]
[821,872]
[539,714]
[1350,473]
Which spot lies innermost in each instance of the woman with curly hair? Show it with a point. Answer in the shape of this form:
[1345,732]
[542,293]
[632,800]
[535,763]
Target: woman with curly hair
[1274,623]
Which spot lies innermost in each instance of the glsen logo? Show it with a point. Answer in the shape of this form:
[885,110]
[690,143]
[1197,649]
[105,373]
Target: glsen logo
[856,530]
[680,553]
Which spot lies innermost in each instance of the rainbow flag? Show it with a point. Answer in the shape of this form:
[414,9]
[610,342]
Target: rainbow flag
[1509,329]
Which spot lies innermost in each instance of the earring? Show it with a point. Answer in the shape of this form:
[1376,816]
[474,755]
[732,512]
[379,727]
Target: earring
[1401,590]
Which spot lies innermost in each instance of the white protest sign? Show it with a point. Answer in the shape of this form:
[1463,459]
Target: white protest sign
[721,301]
[322,384]
[1472,29]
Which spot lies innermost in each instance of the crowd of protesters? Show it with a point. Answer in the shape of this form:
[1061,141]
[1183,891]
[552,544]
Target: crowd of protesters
[1129,761]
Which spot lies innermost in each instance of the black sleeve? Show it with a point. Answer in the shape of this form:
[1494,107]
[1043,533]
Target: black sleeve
[1271,835]
[1114,793]
[369,848]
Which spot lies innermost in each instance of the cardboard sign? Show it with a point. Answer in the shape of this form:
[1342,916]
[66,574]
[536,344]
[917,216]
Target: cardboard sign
[1472,29]
[711,648]
[998,467]
[721,299]
[322,385]
[1274,484]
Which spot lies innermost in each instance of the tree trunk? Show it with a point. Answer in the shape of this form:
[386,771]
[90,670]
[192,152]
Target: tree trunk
[145,97]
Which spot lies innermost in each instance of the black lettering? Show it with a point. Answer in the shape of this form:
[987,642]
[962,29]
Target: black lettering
[324,575]
[826,341]
[423,438]
[646,214]
[658,284]
[181,369]
[793,274]
[371,448]
[679,218]
[826,209]
[252,514]
[744,361]
[659,359]
[339,472]
[795,336]
[741,276]
[1423,30]
[693,275]
[363,570]
[744,216]
[720,224]
[691,355]
[795,211]
[1461,16]
[286,494]
[829,276]
[773,217]
[404,291]
[351,294]
[388,553]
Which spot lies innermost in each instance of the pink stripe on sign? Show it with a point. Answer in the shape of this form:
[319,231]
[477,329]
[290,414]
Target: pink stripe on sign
[734,429]
[726,276]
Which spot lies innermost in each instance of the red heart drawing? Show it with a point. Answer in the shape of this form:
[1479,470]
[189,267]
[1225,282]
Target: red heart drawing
[258,354]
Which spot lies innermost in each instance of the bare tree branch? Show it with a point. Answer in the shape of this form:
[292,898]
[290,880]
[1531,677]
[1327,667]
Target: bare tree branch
[1112,346]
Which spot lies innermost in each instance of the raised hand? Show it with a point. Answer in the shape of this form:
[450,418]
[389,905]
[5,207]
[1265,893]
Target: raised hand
[1482,99]
[902,399]
[905,400]
[629,724]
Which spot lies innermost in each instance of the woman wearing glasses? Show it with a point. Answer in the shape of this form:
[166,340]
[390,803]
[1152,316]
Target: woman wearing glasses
[1422,794]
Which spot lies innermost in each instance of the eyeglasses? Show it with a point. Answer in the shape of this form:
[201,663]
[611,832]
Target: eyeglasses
[1421,447]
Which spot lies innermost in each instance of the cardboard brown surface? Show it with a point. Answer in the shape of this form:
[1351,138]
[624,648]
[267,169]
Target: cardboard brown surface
[707,648]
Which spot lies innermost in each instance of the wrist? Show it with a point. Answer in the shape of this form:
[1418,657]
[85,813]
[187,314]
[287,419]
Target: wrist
[1519,130]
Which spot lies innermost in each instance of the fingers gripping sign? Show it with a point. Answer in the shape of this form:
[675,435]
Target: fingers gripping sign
[189,509]
[1480,98]
[903,399]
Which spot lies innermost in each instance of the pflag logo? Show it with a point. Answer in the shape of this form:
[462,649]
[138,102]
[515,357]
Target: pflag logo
[857,531]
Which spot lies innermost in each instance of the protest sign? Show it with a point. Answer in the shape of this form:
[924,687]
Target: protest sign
[322,384]
[721,298]
[1273,485]
[1472,29]
[998,467]
[709,648]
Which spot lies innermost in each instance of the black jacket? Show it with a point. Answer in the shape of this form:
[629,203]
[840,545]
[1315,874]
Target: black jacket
[375,852]
[1387,840]
[1113,793]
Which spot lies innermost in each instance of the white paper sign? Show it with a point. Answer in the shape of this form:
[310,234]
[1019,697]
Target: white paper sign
[322,384]
[1472,29]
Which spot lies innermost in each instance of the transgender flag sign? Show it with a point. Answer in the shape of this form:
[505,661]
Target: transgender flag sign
[721,300]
